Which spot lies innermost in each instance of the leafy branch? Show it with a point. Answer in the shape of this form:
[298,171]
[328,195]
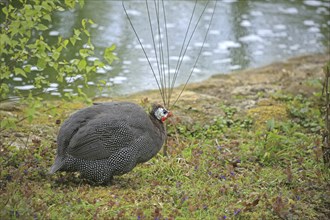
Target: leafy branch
[26,53]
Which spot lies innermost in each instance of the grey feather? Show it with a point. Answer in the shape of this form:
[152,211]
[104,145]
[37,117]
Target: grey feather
[108,139]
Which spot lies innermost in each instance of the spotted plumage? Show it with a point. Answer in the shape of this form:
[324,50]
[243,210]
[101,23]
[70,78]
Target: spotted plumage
[109,139]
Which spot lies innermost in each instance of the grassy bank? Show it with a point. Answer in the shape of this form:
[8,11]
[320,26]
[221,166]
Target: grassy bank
[240,147]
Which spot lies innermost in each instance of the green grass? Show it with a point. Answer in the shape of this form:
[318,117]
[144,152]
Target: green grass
[230,167]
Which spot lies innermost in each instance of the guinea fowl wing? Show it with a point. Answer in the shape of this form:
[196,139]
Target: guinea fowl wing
[71,126]
[101,138]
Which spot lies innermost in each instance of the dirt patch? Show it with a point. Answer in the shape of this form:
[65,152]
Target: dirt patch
[290,76]
[245,89]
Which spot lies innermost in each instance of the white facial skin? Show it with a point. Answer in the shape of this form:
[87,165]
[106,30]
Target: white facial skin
[161,114]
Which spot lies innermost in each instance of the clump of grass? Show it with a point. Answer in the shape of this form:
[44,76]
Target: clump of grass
[230,167]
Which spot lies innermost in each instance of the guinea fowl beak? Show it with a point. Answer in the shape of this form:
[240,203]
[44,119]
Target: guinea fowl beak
[169,114]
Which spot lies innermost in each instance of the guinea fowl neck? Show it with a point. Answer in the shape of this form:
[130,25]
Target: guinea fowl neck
[159,128]
[158,123]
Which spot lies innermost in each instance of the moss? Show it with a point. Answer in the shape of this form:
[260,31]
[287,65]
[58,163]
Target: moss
[263,113]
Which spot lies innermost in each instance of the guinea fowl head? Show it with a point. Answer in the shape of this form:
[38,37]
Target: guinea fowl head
[160,113]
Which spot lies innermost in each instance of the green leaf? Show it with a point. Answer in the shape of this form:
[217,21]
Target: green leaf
[76,32]
[59,8]
[91,21]
[7,123]
[102,82]
[82,64]
[59,49]
[19,71]
[65,42]
[112,47]
[271,124]
[40,81]
[30,113]
[27,68]
[73,40]
[87,33]
[55,66]
[98,63]
[46,6]
[108,54]
[83,23]
[56,55]
[4,89]
[47,17]
[4,40]
[84,53]
[41,63]
[81,3]
[70,3]
[75,61]
[75,37]
[60,76]
[41,27]
[5,11]
[90,68]
[5,72]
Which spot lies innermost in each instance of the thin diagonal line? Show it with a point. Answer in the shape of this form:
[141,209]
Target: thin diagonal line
[183,44]
[207,31]
[144,51]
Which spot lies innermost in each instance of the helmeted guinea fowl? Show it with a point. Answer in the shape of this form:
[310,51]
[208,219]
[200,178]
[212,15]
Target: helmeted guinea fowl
[109,139]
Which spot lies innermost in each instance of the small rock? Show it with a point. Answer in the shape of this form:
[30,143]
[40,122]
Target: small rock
[9,107]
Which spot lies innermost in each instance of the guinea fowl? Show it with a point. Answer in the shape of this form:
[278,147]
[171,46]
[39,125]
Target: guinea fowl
[109,139]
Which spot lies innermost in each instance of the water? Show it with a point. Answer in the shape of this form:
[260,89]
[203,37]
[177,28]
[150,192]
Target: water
[243,34]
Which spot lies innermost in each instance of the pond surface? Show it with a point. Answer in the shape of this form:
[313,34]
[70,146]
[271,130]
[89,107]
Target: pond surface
[243,34]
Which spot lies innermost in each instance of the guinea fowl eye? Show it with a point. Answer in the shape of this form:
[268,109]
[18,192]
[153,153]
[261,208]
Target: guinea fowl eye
[164,112]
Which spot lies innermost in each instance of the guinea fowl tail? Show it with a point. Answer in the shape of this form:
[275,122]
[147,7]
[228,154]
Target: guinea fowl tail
[58,164]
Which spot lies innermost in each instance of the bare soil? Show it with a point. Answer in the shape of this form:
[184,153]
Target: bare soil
[245,90]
